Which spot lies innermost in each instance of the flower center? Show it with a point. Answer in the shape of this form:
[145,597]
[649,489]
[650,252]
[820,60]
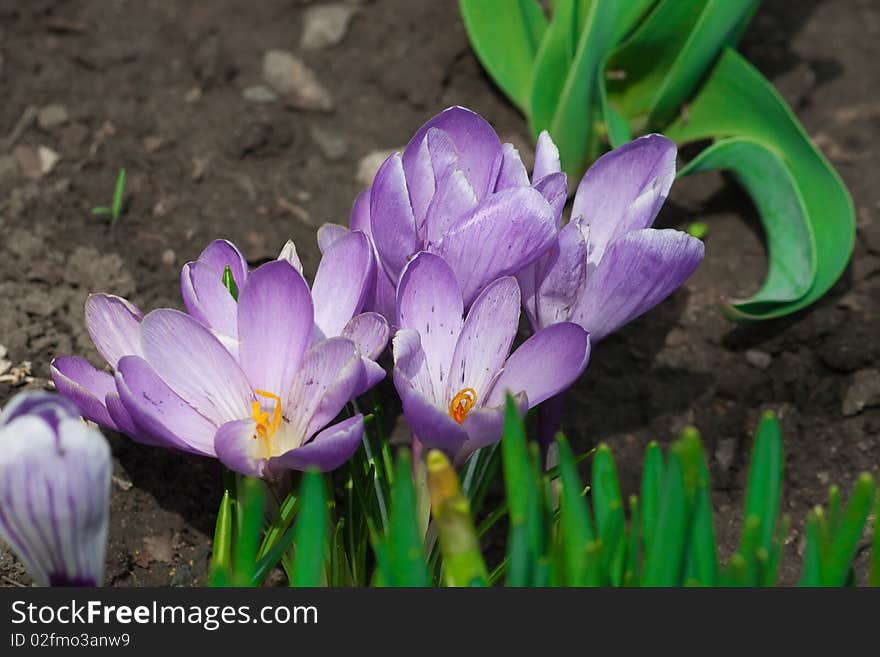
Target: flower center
[266,425]
[462,404]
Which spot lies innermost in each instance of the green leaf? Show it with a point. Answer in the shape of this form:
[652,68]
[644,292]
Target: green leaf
[632,573]
[629,15]
[310,532]
[118,195]
[552,62]
[837,563]
[811,575]
[874,575]
[505,35]
[737,102]
[575,525]
[608,509]
[463,563]
[221,557]
[652,480]
[764,488]
[703,553]
[405,540]
[660,65]
[251,497]
[616,125]
[665,555]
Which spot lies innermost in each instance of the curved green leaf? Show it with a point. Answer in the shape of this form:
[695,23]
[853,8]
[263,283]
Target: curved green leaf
[662,63]
[310,532]
[505,35]
[405,542]
[764,488]
[737,101]
[552,63]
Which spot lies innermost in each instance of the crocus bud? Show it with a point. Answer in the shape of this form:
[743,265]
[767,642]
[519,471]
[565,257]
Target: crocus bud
[54,490]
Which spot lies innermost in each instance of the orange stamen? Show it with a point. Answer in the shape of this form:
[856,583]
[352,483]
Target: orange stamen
[266,427]
[462,403]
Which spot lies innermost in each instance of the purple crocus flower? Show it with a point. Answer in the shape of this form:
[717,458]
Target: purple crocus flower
[254,383]
[452,372]
[54,490]
[458,192]
[608,266]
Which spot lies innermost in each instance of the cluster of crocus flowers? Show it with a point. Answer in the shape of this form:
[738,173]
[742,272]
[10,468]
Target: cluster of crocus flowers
[254,374]
[54,490]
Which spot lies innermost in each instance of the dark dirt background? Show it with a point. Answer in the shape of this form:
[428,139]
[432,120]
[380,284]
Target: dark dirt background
[158,87]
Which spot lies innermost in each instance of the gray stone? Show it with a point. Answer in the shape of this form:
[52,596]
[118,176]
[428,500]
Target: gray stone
[760,359]
[52,116]
[259,94]
[326,25]
[863,392]
[288,76]
[333,145]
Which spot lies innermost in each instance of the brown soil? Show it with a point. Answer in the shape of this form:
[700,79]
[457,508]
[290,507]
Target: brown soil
[156,87]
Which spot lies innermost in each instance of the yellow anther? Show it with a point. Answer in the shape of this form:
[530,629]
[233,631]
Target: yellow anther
[462,403]
[266,427]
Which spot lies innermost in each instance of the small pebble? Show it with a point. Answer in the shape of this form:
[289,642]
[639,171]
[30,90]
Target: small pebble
[863,392]
[259,94]
[326,25]
[760,359]
[52,116]
[369,164]
[333,145]
[169,257]
[48,159]
[297,83]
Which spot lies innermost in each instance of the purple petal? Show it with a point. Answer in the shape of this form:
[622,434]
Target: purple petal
[453,199]
[77,380]
[563,275]
[238,450]
[554,188]
[329,233]
[275,320]
[477,144]
[485,425]
[638,271]
[429,301]
[360,214]
[48,406]
[120,415]
[207,299]
[513,171]
[331,372]
[433,426]
[485,339]
[544,365]
[114,326]
[504,234]
[546,157]
[372,374]
[160,416]
[369,332]
[222,253]
[326,451]
[54,498]
[392,221]
[345,277]
[195,365]
[410,362]
[624,190]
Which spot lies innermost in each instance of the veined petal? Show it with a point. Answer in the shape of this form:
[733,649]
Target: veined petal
[222,253]
[360,215]
[638,271]
[345,277]
[369,332]
[544,365]
[478,146]
[326,451]
[206,298]
[513,172]
[275,320]
[485,339]
[624,190]
[329,233]
[507,232]
[429,301]
[563,275]
[485,425]
[114,326]
[158,414]
[391,217]
[554,188]
[195,365]
[546,157]
[120,415]
[371,375]
[433,426]
[453,199]
[77,380]
[410,362]
[238,450]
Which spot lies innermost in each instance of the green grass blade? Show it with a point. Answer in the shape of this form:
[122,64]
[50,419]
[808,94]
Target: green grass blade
[874,575]
[505,35]
[811,575]
[118,196]
[703,556]
[764,488]
[310,532]
[575,526]
[737,102]
[229,282]
[836,564]
[406,542]
[608,509]
[221,557]
[250,501]
[632,573]
[652,480]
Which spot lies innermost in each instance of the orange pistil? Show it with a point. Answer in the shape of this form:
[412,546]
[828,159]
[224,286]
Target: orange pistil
[462,404]
[266,427]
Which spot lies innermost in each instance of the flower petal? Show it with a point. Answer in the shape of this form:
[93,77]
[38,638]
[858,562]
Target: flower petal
[326,451]
[507,232]
[77,380]
[360,214]
[453,199]
[433,426]
[638,271]
[563,275]
[485,425]
[206,298]
[222,253]
[554,188]
[373,373]
[624,190]
[330,374]
[238,450]
[513,172]
[120,415]
[369,332]
[544,365]
[392,222]
[160,416]
[275,319]
[478,146]
[410,362]
[345,277]
[114,326]
[329,233]
[546,157]
[195,365]
[485,339]
[429,301]
[288,252]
